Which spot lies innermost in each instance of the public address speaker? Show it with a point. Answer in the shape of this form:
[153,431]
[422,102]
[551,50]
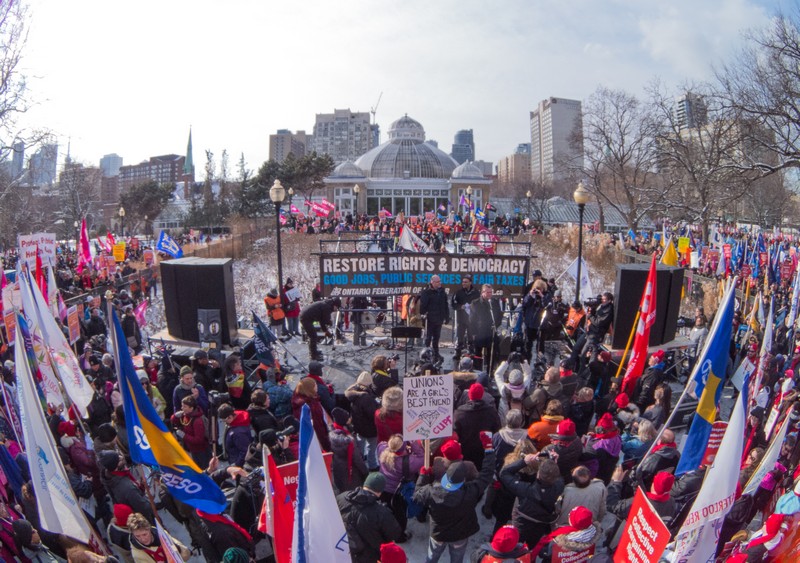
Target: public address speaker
[631,279]
[194,283]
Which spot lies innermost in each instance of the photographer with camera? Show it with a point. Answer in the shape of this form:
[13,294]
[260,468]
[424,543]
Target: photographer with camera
[600,317]
[533,306]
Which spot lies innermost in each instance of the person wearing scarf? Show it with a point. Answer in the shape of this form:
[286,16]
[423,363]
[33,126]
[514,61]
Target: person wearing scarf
[225,533]
[146,544]
[602,448]
[581,533]
[27,539]
[664,457]
[121,485]
[659,495]
[348,466]
[8,547]
[763,543]
[324,390]
[644,390]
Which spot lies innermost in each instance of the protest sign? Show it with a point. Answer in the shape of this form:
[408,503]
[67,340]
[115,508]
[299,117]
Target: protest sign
[563,555]
[683,244]
[714,440]
[745,369]
[46,243]
[645,536]
[344,275]
[119,252]
[73,324]
[289,474]
[148,257]
[427,407]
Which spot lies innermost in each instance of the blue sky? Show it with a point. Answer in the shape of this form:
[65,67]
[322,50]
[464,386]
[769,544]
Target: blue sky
[131,77]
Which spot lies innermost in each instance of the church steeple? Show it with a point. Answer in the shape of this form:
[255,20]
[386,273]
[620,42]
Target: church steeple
[188,163]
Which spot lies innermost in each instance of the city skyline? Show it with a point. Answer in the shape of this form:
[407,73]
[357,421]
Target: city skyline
[135,89]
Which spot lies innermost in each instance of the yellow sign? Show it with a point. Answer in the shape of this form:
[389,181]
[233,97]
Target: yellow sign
[119,252]
[683,244]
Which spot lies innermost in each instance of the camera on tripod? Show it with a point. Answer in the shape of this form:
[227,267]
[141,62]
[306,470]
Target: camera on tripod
[215,399]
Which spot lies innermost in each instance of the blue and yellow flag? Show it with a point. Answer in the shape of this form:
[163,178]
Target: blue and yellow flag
[708,378]
[152,444]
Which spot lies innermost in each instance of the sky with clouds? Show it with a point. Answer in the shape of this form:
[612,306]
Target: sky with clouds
[131,77]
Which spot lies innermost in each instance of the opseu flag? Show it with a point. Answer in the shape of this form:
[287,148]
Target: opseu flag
[263,340]
[706,383]
[318,526]
[410,241]
[647,316]
[586,284]
[64,363]
[277,514]
[166,244]
[696,541]
[58,508]
[152,444]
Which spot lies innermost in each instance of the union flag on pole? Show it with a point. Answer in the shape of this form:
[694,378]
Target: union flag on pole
[647,316]
[277,513]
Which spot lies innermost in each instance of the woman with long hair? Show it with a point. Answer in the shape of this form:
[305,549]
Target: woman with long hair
[657,412]
[399,461]
[306,394]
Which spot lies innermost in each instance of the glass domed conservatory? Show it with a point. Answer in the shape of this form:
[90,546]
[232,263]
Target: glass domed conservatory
[405,174]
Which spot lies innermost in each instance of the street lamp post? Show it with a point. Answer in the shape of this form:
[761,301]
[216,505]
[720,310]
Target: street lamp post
[581,197]
[276,194]
[356,190]
[122,220]
[469,205]
[528,195]
[146,231]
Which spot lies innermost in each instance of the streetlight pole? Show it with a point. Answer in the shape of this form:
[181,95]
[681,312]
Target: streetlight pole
[581,197]
[469,205]
[356,189]
[528,195]
[122,220]
[276,194]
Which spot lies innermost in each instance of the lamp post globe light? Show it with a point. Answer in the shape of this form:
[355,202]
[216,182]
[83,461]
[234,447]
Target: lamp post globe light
[356,190]
[122,220]
[528,195]
[276,194]
[581,197]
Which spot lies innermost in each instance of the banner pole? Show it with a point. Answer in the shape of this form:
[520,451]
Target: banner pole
[628,345]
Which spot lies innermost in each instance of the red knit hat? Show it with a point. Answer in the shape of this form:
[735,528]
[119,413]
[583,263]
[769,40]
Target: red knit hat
[658,355]
[121,513]
[392,553]
[606,422]
[451,450]
[622,400]
[565,429]
[662,483]
[580,517]
[475,392]
[67,428]
[505,539]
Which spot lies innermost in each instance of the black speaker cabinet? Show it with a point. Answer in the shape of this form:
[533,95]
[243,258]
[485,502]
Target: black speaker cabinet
[631,279]
[193,283]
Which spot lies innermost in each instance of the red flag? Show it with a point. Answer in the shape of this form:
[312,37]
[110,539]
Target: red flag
[84,253]
[40,280]
[277,514]
[110,241]
[647,316]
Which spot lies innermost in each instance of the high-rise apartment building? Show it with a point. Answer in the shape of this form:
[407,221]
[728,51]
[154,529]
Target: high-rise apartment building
[552,150]
[17,160]
[42,165]
[344,135]
[284,142]
[515,168]
[110,165]
[463,146]
[166,169]
[690,111]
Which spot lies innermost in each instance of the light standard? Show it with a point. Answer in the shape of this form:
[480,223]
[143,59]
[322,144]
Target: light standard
[581,197]
[528,195]
[356,190]
[469,205]
[146,231]
[122,220]
[276,194]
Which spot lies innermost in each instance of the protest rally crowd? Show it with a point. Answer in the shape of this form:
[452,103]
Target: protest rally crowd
[553,442]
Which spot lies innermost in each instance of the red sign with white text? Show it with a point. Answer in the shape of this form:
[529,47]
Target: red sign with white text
[645,536]
[290,470]
[714,440]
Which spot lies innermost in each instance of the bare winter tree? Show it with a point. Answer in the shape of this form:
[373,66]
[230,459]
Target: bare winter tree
[619,154]
[78,193]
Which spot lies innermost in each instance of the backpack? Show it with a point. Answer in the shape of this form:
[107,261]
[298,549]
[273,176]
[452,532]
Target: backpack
[406,490]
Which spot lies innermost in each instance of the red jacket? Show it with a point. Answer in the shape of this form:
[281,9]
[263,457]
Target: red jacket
[392,424]
[194,439]
[317,417]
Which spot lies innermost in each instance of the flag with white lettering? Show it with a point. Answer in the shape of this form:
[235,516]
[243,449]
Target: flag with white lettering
[168,245]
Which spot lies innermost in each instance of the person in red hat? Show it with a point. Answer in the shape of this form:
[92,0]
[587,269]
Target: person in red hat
[505,546]
[644,390]
[451,453]
[472,418]
[602,448]
[392,553]
[565,448]
[659,495]
[581,534]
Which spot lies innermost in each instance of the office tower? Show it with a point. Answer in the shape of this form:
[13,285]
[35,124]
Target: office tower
[284,142]
[463,146]
[553,125]
[690,111]
[42,165]
[110,165]
[344,135]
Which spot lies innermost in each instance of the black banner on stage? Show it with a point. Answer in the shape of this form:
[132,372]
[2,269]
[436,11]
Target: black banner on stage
[345,275]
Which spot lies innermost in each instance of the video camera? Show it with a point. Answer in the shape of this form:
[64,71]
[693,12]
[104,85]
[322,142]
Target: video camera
[215,399]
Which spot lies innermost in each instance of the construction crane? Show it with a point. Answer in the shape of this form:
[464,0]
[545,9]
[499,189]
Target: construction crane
[374,108]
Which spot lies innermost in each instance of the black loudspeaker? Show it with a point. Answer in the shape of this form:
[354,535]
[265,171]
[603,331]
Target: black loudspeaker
[631,279]
[190,284]
[406,332]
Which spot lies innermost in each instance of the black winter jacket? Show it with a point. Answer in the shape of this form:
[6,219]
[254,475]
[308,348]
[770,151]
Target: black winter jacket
[469,420]
[363,404]
[534,501]
[369,523]
[124,491]
[485,317]
[452,513]
[433,303]
[621,507]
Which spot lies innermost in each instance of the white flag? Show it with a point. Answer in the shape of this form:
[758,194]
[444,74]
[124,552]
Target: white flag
[696,541]
[411,241]
[52,290]
[59,511]
[767,463]
[586,284]
[64,362]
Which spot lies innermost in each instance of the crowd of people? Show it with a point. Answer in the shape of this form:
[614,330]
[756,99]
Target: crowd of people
[546,446]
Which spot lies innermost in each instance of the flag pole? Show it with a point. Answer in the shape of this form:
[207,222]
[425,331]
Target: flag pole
[628,345]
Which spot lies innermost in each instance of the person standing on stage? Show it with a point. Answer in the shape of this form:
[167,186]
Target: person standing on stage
[434,308]
[485,318]
[460,302]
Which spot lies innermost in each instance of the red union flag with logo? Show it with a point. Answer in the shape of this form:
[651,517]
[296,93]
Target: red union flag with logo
[647,316]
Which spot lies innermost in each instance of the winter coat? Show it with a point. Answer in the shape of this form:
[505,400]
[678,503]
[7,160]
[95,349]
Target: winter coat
[124,491]
[504,443]
[536,402]
[452,513]
[325,394]
[569,455]
[224,536]
[319,311]
[469,421]
[140,552]
[665,459]
[539,432]
[535,502]
[261,418]
[601,456]
[532,306]
[275,310]
[238,438]
[581,413]
[485,317]
[391,424]
[382,380]
[363,403]
[348,468]
[369,523]
[210,378]
[194,430]
[593,497]
[182,391]
[633,447]
[433,303]
[622,507]
[645,388]
[394,473]
[280,398]
[317,417]
[601,321]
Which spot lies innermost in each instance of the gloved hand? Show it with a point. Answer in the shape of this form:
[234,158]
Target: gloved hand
[180,434]
[486,440]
